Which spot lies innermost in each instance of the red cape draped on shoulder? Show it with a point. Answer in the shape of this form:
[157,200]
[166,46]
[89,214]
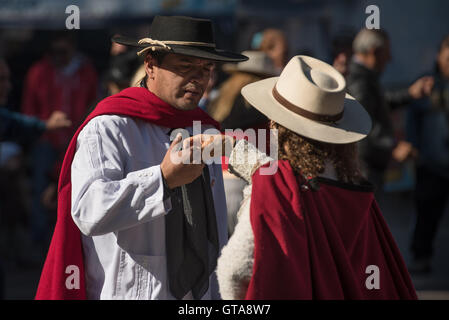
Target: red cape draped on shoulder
[65,257]
[321,239]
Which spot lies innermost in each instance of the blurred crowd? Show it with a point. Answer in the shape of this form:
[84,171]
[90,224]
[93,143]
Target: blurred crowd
[63,86]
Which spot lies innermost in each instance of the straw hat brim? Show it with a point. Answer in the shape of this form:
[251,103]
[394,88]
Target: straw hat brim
[352,127]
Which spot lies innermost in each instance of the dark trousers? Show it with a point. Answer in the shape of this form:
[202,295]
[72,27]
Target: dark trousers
[432,193]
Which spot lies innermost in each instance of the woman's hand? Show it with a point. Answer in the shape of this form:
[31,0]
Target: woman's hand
[212,145]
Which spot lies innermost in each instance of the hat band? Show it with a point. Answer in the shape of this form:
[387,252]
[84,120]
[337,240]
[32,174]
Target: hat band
[305,113]
[163,45]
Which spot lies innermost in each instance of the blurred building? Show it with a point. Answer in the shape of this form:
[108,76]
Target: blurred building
[415,26]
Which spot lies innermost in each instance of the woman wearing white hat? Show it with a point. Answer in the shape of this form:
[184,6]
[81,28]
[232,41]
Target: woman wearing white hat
[311,230]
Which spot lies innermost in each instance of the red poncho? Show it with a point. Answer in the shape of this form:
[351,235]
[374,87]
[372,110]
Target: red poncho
[315,240]
[66,248]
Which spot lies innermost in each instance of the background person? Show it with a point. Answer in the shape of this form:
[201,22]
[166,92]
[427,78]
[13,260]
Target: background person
[123,64]
[342,52]
[428,131]
[274,43]
[62,80]
[371,55]
[16,128]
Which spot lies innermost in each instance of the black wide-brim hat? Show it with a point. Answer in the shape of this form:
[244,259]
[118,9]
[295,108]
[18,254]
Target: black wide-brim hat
[182,35]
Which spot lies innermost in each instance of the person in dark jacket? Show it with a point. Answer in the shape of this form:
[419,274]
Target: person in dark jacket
[371,56]
[428,131]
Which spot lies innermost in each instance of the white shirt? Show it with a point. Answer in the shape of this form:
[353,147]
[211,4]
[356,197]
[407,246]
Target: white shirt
[117,203]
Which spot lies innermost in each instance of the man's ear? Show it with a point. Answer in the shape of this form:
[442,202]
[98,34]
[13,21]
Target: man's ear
[150,63]
[376,52]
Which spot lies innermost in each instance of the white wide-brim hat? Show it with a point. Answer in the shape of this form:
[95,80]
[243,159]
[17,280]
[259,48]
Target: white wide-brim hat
[309,98]
[258,63]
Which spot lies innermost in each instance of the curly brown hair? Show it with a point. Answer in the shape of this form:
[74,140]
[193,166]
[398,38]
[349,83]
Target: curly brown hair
[308,157]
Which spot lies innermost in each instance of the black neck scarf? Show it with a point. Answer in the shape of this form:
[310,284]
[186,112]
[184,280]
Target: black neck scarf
[191,237]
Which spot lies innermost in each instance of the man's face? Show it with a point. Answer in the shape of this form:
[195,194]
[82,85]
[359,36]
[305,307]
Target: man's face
[61,52]
[179,80]
[278,52]
[5,84]
[341,61]
[443,61]
[383,57]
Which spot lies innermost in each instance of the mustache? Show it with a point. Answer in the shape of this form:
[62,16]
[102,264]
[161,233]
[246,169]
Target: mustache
[192,87]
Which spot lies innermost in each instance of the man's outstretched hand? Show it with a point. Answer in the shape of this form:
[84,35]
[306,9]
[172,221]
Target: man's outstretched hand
[177,167]
[182,167]
[57,120]
[421,88]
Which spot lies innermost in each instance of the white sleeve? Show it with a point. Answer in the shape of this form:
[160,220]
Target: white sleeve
[235,265]
[104,200]
[245,159]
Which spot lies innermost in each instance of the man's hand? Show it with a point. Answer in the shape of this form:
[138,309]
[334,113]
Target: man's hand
[178,174]
[57,120]
[403,151]
[50,197]
[421,88]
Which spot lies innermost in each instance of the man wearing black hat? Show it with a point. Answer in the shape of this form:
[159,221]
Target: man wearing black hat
[133,224]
